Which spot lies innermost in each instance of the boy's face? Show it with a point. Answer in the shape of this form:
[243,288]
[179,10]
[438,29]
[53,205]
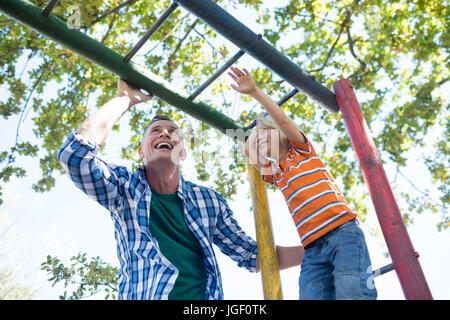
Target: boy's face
[262,146]
[162,141]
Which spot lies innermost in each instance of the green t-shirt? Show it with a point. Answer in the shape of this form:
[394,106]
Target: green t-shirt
[179,245]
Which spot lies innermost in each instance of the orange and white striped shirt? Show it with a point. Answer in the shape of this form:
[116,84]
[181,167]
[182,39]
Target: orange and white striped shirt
[316,203]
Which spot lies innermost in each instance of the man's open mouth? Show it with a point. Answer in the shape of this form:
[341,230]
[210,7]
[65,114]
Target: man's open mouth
[163,145]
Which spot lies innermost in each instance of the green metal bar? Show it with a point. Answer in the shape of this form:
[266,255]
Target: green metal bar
[56,29]
[49,7]
[287,97]
[280,102]
[151,31]
[217,74]
[383,270]
[254,45]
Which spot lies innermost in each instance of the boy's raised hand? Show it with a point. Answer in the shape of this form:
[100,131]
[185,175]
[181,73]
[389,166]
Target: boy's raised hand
[243,79]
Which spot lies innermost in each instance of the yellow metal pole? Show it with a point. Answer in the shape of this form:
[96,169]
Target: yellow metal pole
[266,248]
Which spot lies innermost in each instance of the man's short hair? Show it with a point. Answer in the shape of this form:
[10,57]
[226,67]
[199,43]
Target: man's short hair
[160,117]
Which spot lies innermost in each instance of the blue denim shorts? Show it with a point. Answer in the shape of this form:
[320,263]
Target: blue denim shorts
[337,266]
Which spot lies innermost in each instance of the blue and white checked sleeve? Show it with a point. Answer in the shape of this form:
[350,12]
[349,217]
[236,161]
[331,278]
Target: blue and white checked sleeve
[100,181]
[232,241]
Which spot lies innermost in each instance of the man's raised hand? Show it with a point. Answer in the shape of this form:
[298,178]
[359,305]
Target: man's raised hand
[97,126]
[134,94]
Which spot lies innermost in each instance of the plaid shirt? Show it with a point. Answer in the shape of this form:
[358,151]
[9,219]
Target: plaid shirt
[144,272]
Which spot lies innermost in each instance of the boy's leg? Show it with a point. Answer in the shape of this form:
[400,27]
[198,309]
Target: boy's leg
[351,261]
[316,280]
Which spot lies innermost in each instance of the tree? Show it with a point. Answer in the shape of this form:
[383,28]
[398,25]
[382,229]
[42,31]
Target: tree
[90,278]
[15,281]
[10,290]
[394,52]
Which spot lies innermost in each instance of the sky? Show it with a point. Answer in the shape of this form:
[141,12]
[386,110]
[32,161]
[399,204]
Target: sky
[64,221]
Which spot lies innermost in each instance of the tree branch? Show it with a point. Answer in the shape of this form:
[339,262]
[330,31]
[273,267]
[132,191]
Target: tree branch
[113,10]
[342,27]
[109,27]
[352,51]
[167,35]
[424,193]
[172,56]
[13,149]
[209,43]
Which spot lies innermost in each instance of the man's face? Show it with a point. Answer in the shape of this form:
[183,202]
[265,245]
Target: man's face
[162,141]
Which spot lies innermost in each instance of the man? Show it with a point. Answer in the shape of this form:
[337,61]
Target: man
[164,225]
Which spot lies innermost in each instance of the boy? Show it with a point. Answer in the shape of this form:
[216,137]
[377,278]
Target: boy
[336,260]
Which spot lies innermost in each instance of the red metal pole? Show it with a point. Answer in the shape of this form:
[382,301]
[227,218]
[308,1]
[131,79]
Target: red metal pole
[404,258]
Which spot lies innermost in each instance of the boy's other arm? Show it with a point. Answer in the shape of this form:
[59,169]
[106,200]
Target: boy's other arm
[287,257]
[97,126]
[290,256]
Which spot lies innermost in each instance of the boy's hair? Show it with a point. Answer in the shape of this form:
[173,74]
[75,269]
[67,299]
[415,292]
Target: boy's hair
[266,120]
